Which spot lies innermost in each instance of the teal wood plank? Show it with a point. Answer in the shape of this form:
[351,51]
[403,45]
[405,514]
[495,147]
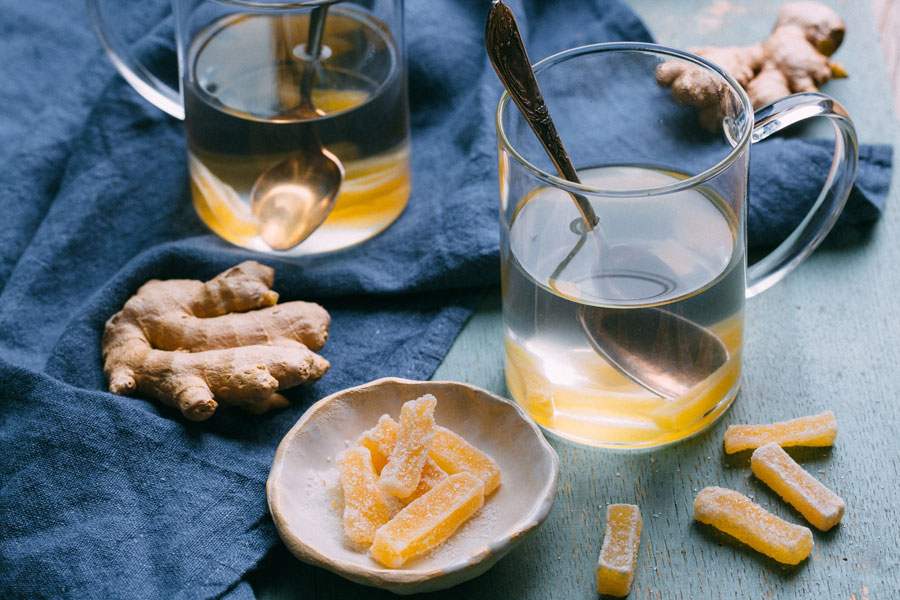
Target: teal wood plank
[823,338]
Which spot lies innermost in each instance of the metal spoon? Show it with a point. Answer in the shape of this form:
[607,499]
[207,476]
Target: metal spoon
[293,197]
[629,338]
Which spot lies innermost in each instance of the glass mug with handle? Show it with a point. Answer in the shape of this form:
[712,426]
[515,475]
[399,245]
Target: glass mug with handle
[241,66]
[629,335]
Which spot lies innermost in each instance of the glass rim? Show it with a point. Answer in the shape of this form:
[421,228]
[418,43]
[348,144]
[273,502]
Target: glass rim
[265,5]
[683,184]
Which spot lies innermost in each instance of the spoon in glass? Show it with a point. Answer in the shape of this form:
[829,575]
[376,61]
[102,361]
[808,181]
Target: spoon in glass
[627,337]
[293,197]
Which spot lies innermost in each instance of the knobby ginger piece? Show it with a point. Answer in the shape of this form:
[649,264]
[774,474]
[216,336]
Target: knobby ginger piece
[428,520]
[748,522]
[455,455]
[818,505]
[794,58]
[380,441]
[193,344]
[400,476]
[816,430]
[365,507]
[615,567]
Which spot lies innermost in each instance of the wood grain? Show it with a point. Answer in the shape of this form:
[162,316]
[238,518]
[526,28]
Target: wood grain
[825,338]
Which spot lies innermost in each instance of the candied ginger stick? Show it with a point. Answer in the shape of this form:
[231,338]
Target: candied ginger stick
[455,455]
[380,441]
[365,507]
[818,505]
[400,476]
[816,430]
[432,475]
[615,567]
[429,520]
[738,516]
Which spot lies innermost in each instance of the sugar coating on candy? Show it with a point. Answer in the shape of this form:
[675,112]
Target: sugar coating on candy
[380,441]
[428,520]
[455,455]
[748,522]
[431,476]
[818,505]
[816,430]
[615,567]
[400,476]
[396,450]
[365,507]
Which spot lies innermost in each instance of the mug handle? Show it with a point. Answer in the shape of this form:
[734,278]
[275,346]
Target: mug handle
[824,213]
[158,93]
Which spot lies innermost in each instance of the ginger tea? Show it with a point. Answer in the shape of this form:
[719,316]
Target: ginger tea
[244,82]
[685,256]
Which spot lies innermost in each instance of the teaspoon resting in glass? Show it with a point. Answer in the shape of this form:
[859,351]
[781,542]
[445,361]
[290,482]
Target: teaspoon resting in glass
[667,370]
[293,197]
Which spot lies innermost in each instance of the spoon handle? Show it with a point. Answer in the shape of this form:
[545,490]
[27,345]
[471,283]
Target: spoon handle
[310,61]
[509,58]
[316,29]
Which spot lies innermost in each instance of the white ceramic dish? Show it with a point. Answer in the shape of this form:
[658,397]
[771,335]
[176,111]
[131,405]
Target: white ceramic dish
[304,496]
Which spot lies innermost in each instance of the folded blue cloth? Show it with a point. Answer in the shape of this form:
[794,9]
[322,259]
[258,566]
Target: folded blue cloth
[106,496]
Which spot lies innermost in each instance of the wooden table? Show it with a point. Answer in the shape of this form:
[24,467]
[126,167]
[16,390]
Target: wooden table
[825,338]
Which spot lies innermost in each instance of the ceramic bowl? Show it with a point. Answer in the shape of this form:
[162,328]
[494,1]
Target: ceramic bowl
[304,490]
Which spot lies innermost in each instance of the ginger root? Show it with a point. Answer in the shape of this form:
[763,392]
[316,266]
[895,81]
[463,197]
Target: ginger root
[188,343]
[793,59]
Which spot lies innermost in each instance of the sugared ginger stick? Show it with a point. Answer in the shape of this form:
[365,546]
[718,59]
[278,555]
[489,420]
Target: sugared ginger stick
[735,514]
[400,476]
[453,454]
[365,507]
[380,442]
[818,505]
[816,430]
[190,343]
[428,520]
[618,555]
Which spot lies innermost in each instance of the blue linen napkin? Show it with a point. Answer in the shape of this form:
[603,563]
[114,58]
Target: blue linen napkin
[107,496]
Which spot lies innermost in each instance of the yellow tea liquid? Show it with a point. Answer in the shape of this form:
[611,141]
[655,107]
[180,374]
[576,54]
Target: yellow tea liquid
[245,80]
[694,269]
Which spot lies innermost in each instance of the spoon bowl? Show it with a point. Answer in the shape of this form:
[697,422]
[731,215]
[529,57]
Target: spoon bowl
[294,197]
[655,347]
[669,370]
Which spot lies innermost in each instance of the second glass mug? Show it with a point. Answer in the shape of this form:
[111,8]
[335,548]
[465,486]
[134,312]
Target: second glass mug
[600,334]
[240,63]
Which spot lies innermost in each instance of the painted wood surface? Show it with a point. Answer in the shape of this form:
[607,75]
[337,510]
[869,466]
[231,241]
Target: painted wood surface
[887,17]
[825,338]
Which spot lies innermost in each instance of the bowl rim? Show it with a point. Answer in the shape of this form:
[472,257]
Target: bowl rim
[386,577]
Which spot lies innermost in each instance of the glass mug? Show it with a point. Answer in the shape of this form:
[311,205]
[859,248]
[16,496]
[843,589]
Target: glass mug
[240,64]
[598,324]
